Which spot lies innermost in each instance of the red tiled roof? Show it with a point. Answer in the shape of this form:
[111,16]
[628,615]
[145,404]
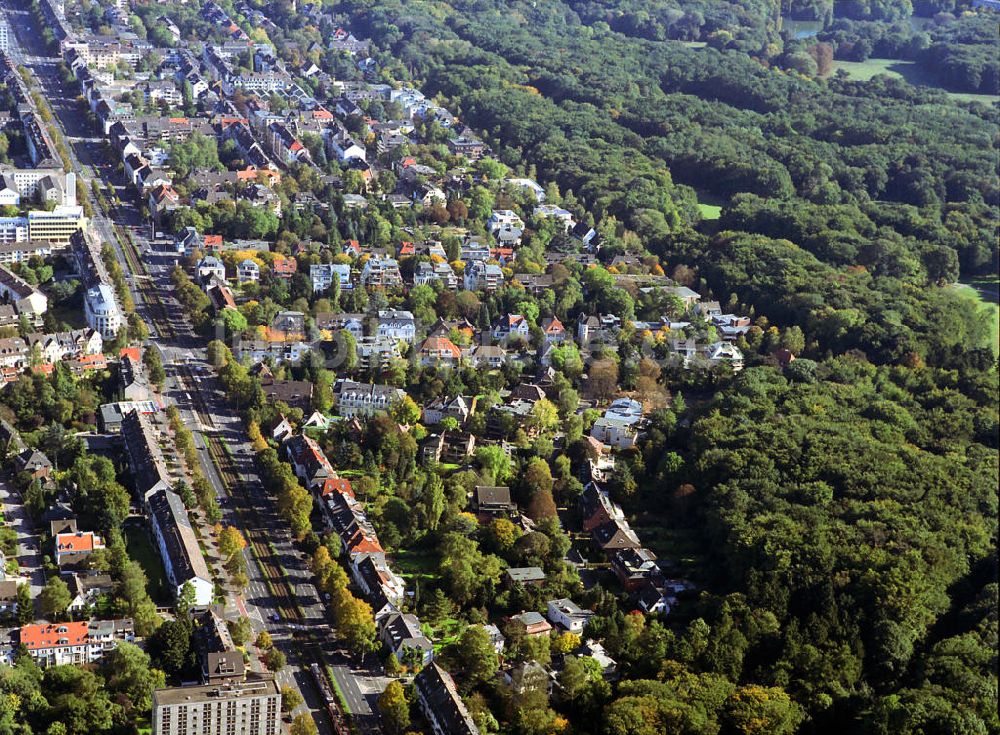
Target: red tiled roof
[78,541]
[36,637]
[132,353]
[337,485]
[92,362]
[441,344]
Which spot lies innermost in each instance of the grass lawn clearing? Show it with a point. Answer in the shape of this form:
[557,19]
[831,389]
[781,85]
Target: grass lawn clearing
[446,632]
[985,294]
[416,565]
[140,548]
[908,70]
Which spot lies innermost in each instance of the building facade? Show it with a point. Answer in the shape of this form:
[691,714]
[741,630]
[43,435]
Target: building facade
[251,707]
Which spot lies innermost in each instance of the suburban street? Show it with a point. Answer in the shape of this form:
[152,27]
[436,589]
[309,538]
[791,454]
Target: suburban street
[29,556]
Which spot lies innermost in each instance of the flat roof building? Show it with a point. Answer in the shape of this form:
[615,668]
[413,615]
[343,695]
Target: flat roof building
[251,707]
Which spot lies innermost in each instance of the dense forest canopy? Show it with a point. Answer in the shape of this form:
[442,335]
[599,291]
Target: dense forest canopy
[849,502]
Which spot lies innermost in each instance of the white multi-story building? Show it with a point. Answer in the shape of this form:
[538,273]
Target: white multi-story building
[101,310]
[381,273]
[480,276]
[567,614]
[364,399]
[323,275]
[396,324]
[250,707]
[182,558]
[13,229]
[84,642]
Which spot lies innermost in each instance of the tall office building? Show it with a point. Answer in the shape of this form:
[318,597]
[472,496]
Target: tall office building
[250,707]
[4,36]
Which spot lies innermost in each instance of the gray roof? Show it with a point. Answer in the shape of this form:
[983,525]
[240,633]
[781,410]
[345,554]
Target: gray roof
[170,516]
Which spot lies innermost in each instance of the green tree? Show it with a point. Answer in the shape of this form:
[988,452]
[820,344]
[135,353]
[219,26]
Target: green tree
[275,660]
[303,725]
[170,647]
[153,363]
[25,605]
[290,699]
[54,598]
[756,710]
[127,672]
[394,708]
[494,461]
[476,656]
[77,699]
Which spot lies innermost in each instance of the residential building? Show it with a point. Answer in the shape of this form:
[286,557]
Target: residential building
[396,324]
[67,345]
[8,596]
[74,548]
[482,276]
[635,567]
[568,615]
[132,382]
[439,351]
[145,460]
[531,576]
[364,399]
[324,274]
[529,185]
[533,622]
[25,298]
[401,633]
[101,310]
[182,557]
[620,424]
[84,642]
[493,502]
[210,267]
[440,703]
[248,271]
[249,707]
[510,327]
[86,588]
[379,272]
[724,353]
[446,407]
[308,461]
[546,211]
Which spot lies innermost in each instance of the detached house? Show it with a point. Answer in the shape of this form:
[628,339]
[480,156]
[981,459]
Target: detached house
[482,276]
[323,276]
[248,272]
[553,331]
[397,325]
[401,633]
[439,351]
[443,407]
[74,548]
[512,326]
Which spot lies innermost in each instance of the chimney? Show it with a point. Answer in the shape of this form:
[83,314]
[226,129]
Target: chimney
[69,197]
